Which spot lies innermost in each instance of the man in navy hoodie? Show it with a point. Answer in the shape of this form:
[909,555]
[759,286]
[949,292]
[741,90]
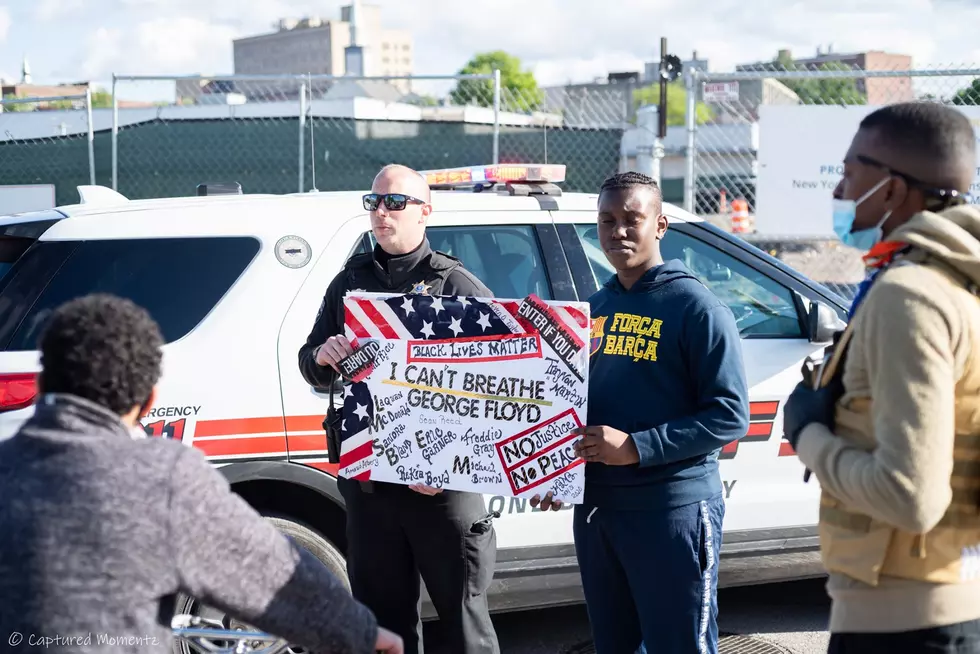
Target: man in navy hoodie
[667,391]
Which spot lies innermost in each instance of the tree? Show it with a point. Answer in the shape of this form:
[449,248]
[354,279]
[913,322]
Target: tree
[676,103]
[519,90]
[825,90]
[19,107]
[423,100]
[101,99]
[969,96]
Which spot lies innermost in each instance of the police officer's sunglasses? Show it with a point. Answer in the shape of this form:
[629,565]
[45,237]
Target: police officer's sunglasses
[936,198]
[392,201]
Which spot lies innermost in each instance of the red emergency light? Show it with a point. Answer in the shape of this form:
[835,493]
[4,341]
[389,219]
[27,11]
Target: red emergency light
[500,174]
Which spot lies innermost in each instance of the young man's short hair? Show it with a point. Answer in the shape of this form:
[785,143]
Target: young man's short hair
[101,348]
[932,135]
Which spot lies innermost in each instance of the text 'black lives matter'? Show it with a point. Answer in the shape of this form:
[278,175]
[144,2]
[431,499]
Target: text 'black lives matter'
[537,316]
[359,365]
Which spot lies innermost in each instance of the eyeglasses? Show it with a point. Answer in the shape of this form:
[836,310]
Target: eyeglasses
[935,197]
[392,201]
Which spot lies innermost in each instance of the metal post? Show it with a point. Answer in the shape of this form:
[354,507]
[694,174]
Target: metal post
[302,137]
[115,136]
[496,116]
[91,136]
[690,116]
[658,155]
[650,148]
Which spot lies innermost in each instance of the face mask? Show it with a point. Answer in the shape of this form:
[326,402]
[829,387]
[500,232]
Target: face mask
[844,214]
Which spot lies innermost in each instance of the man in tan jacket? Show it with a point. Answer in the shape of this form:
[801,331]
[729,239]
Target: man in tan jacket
[892,431]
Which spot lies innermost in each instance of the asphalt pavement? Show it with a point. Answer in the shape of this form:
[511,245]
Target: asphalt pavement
[792,616]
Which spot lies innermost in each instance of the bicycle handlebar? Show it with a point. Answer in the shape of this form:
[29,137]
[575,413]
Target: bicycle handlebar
[200,635]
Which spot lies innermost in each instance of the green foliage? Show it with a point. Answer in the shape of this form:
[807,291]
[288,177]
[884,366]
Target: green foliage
[101,99]
[676,103]
[519,90]
[969,96]
[424,101]
[822,91]
[20,106]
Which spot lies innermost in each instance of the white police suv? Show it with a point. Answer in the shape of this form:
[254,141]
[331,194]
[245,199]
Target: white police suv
[235,282]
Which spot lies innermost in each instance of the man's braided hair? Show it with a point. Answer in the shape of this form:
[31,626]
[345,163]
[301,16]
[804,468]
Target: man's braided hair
[631,179]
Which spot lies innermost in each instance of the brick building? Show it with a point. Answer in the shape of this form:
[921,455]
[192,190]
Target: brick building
[878,90]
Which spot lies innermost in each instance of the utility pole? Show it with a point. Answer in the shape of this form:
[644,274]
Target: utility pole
[670,70]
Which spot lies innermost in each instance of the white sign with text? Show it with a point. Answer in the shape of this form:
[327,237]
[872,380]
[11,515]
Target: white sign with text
[801,153]
[467,394]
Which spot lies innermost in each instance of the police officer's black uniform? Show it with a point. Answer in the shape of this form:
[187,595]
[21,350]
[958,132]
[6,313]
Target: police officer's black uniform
[394,533]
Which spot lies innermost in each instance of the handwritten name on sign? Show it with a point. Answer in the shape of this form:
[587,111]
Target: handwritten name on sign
[465,393]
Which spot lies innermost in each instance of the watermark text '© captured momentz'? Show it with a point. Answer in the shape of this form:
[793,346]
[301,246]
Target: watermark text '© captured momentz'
[18,639]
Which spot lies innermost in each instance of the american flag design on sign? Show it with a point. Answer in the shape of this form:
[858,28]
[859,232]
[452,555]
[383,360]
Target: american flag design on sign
[371,316]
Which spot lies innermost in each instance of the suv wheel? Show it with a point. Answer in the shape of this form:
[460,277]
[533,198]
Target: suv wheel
[306,538]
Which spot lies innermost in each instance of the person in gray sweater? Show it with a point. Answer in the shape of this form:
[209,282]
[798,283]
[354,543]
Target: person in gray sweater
[103,526]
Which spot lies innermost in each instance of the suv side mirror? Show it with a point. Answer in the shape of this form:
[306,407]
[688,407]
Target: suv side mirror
[822,323]
[719,274]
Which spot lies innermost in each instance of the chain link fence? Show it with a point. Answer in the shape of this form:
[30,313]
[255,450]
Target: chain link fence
[48,141]
[725,164]
[283,134]
[163,136]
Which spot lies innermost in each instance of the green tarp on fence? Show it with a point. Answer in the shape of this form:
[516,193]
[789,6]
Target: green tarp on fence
[170,158]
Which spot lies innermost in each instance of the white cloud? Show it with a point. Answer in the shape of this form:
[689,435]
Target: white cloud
[103,50]
[160,46]
[4,23]
[48,10]
[166,45]
[561,41]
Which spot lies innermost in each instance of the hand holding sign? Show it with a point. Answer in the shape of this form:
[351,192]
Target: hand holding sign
[606,445]
[333,350]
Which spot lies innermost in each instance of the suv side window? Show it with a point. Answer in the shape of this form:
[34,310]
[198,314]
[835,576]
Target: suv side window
[762,307]
[178,280]
[506,258]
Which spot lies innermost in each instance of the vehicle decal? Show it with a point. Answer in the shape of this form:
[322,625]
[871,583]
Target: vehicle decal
[762,416]
[173,411]
[163,429]
[301,439]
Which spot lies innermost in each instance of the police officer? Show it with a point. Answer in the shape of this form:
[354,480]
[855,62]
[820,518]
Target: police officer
[396,532]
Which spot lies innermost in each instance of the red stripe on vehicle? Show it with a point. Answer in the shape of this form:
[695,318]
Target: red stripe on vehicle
[763,408]
[236,426]
[267,445]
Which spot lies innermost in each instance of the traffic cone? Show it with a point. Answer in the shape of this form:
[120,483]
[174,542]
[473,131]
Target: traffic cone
[740,216]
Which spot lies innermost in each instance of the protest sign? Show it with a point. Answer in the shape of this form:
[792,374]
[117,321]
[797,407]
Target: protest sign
[465,393]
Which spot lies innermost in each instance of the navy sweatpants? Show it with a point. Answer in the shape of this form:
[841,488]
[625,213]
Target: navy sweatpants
[651,577]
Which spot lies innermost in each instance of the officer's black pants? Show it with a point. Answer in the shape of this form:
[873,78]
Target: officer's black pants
[394,534]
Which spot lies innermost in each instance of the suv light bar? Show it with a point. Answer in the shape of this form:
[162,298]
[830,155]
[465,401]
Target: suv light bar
[502,174]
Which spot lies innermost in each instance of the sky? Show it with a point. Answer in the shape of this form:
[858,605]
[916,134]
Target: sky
[563,41]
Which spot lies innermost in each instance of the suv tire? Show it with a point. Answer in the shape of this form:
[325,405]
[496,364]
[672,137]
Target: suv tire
[315,544]
[304,536]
